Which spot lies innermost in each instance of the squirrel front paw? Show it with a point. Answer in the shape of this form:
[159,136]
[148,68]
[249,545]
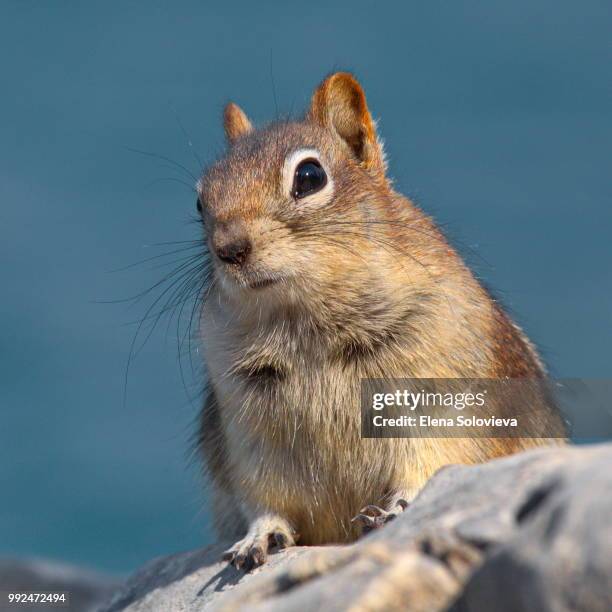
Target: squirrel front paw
[264,534]
[373,517]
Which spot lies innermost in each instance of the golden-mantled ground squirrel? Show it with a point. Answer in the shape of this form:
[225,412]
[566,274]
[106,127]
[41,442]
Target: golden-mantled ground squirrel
[324,275]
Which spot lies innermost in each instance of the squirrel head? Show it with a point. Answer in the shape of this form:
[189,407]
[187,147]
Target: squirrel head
[285,209]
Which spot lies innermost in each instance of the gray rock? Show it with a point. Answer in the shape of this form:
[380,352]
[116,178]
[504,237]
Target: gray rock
[87,589]
[188,581]
[527,532]
[561,553]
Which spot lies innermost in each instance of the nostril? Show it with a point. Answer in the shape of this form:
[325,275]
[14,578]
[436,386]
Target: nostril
[235,252]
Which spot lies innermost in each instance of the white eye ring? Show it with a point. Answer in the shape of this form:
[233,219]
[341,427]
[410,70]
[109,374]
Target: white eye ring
[292,161]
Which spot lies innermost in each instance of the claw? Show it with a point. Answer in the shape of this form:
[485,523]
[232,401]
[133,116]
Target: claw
[373,510]
[257,556]
[252,551]
[280,540]
[364,519]
[372,517]
[239,560]
[403,503]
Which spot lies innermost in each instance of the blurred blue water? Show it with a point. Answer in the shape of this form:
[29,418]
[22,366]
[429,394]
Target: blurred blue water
[496,117]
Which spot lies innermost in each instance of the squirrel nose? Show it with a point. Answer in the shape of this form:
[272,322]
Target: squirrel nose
[235,252]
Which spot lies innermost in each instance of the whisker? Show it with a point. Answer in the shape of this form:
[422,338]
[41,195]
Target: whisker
[171,180]
[184,283]
[189,141]
[155,257]
[166,159]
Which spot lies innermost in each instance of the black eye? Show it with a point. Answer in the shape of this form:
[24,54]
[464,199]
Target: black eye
[309,178]
[199,205]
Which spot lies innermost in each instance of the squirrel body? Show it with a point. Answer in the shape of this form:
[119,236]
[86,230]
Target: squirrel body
[324,276]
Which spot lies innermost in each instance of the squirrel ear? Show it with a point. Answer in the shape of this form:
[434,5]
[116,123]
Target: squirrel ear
[235,122]
[340,105]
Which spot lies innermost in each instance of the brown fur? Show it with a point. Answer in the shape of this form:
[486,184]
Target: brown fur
[365,286]
[235,122]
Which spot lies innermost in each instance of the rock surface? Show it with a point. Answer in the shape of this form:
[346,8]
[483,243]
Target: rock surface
[87,589]
[528,532]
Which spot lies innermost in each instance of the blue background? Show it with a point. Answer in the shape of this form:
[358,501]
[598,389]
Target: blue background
[496,117]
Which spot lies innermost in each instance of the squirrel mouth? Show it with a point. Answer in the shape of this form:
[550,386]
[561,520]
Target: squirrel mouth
[251,279]
[261,283]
